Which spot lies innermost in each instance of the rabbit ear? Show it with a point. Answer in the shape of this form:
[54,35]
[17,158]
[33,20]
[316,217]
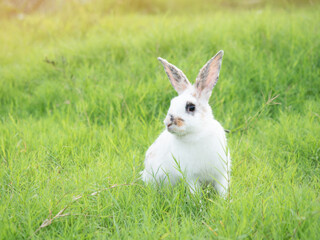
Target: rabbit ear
[208,76]
[177,78]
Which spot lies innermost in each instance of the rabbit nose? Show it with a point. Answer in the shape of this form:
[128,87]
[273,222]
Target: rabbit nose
[169,120]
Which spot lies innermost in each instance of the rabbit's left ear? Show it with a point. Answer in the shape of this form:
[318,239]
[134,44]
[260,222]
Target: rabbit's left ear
[208,76]
[177,78]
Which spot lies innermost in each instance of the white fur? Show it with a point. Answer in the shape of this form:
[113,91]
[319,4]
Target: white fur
[196,150]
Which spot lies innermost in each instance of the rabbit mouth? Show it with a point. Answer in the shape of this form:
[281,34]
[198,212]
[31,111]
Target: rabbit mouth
[170,128]
[174,129]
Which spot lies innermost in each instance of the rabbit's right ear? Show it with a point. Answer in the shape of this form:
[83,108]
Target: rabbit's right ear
[177,78]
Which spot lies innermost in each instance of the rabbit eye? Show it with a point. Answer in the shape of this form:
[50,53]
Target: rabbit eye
[190,107]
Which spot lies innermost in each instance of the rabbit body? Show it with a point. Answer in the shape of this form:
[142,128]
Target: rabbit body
[194,144]
[201,160]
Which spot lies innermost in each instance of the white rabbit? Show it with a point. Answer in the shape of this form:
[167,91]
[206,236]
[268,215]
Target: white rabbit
[193,144]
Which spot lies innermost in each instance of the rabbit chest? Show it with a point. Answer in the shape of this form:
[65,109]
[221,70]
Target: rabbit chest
[202,160]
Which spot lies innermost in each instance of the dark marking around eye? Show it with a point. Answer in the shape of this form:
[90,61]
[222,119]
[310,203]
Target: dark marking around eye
[190,107]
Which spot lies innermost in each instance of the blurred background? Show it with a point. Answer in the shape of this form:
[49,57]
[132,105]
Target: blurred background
[11,7]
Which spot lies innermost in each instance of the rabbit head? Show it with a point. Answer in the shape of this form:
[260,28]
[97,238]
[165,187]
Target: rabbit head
[190,110]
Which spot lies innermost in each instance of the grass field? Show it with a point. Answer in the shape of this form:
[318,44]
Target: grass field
[83,96]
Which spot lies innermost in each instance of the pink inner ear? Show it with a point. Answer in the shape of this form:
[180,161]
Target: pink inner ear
[213,74]
[208,76]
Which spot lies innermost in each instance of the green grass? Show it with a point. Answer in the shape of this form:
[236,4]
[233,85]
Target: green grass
[83,96]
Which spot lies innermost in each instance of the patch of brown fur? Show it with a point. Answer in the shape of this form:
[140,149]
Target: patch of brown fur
[179,122]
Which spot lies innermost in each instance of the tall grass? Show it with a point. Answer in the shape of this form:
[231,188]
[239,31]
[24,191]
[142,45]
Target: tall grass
[82,97]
